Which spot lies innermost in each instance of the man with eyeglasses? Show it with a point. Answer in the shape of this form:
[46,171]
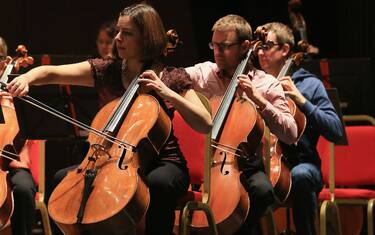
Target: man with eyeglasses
[231,39]
[310,96]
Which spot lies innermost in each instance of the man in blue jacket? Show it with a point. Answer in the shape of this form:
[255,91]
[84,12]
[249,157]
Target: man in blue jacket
[309,94]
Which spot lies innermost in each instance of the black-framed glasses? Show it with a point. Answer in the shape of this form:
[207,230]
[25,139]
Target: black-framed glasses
[222,46]
[268,45]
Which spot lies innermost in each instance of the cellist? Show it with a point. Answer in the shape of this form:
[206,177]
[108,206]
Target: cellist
[20,178]
[309,94]
[140,44]
[231,40]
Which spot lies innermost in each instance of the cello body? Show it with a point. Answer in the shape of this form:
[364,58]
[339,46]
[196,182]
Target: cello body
[117,198]
[8,131]
[280,175]
[229,201]
[7,203]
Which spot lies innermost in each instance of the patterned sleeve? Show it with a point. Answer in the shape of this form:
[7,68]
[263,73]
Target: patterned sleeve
[177,79]
[105,70]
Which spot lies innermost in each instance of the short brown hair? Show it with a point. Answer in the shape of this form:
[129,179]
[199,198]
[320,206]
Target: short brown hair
[284,35]
[151,28]
[236,23]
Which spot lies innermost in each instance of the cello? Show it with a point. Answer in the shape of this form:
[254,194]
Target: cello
[280,176]
[9,130]
[106,193]
[236,133]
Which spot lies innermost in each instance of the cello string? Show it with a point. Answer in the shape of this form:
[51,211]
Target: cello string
[225,150]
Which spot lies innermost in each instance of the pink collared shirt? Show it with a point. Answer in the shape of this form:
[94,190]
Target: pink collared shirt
[207,80]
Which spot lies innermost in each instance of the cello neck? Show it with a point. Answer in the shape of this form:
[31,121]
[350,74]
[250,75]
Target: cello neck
[8,70]
[286,69]
[227,100]
[123,107]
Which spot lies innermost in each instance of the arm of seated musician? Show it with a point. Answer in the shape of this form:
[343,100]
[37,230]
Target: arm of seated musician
[187,104]
[317,107]
[73,74]
[274,109]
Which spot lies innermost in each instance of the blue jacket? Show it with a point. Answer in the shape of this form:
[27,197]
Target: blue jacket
[320,114]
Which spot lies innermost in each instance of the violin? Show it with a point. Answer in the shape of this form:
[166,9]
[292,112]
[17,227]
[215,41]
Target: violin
[236,134]
[9,129]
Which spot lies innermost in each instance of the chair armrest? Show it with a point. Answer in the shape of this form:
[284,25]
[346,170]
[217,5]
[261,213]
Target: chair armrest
[359,118]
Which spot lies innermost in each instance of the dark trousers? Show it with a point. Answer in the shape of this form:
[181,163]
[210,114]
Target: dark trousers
[306,183]
[261,194]
[24,190]
[166,181]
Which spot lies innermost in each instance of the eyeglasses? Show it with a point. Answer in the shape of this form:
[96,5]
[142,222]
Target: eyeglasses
[268,45]
[222,46]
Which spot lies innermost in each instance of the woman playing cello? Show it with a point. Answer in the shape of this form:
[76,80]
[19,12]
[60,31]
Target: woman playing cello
[140,44]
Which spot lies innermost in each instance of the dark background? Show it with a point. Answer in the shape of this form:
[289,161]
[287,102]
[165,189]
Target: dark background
[339,28]
[344,31]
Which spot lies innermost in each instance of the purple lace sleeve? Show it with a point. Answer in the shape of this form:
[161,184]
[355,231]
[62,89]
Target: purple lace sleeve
[177,79]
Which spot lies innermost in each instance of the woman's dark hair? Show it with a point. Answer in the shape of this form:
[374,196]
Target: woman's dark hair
[152,30]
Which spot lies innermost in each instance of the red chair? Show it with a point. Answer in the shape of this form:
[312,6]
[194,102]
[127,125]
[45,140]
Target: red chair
[348,169]
[36,150]
[196,149]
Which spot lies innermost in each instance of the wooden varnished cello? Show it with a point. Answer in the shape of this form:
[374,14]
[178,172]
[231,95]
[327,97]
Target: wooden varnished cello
[105,194]
[8,131]
[279,170]
[236,133]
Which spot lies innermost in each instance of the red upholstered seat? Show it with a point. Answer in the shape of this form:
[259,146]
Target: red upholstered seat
[347,193]
[354,169]
[354,163]
[34,153]
[192,145]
